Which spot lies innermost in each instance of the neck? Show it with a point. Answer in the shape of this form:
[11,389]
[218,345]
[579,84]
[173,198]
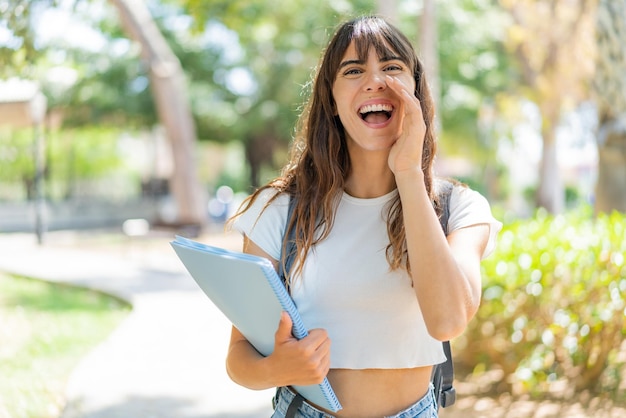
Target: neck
[370,179]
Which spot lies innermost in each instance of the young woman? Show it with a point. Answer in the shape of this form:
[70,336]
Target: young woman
[375,277]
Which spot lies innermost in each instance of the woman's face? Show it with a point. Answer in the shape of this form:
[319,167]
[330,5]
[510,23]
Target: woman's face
[370,112]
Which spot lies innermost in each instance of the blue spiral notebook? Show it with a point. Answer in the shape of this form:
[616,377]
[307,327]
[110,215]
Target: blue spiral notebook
[250,294]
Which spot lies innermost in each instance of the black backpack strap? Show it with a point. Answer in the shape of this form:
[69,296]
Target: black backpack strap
[443,374]
[447,396]
[288,255]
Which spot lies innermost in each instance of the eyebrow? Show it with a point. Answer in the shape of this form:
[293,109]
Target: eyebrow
[361,62]
[351,62]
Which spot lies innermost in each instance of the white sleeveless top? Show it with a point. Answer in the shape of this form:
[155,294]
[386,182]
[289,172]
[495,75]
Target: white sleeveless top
[370,312]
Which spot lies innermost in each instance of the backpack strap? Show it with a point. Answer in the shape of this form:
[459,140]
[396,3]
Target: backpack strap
[444,189]
[443,374]
[447,395]
[288,256]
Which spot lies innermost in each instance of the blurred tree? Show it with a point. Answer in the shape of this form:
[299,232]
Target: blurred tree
[609,87]
[248,66]
[428,40]
[475,73]
[18,51]
[16,159]
[552,41]
[388,9]
[169,86]
[167,81]
[280,42]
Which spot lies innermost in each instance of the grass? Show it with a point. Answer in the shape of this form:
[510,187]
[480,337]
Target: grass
[45,330]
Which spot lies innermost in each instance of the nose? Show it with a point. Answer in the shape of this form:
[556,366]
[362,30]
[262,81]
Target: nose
[375,82]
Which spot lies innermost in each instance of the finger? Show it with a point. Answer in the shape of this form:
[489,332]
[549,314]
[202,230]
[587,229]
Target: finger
[324,362]
[316,345]
[318,337]
[321,360]
[398,86]
[404,92]
[283,332]
[324,348]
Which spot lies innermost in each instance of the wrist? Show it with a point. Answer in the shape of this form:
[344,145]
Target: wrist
[272,372]
[409,176]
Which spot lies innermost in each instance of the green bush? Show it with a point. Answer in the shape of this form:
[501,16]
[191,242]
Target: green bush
[553,311]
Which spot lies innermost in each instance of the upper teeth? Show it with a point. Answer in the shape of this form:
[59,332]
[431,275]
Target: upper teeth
[376,108]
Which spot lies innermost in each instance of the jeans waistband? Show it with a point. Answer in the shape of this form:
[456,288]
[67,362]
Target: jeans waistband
[285,396]
[426,407]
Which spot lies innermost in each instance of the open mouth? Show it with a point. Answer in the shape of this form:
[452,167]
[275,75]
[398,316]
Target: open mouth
[376,113]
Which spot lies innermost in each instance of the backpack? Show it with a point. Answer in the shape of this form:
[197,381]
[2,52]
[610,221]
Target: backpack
[442,376]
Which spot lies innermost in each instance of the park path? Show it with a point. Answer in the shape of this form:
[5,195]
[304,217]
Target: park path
[166,360]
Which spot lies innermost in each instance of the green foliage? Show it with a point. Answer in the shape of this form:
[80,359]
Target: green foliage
[46,329]
[87,153]
[112,90]
[474,67]
[71,155]
[17,153]
[271,46]
[82,155]
[18,52]
[554,304]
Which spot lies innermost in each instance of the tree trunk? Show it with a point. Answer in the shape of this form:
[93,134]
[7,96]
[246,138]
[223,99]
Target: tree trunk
[550,193]
[428,52]
[388,9]
[259,149]
[548,38]
[169,88]
[611,184]
[609,86]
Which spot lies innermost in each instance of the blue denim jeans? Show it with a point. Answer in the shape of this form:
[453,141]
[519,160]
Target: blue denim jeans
[426,407]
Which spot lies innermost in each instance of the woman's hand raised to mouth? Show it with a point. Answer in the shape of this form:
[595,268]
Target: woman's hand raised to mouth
[406,152]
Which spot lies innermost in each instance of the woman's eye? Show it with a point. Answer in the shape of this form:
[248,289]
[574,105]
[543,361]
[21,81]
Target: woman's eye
[393,68]
[352,71]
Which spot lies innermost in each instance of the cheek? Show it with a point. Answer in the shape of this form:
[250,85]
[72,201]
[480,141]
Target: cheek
[410,81]
[335,105]
[340,107]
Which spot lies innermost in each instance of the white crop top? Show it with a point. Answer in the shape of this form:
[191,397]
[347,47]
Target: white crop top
[370,312]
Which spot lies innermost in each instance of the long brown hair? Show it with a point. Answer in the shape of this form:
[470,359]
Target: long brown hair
[319,161]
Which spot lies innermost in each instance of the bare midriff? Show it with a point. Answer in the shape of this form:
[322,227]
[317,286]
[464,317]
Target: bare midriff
[375,393]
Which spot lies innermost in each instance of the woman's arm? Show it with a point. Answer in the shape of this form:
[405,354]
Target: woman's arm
[293,362]
[445,272]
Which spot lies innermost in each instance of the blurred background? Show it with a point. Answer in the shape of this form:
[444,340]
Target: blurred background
[164,114]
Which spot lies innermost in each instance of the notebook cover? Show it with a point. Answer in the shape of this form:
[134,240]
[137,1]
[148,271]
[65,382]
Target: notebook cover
[250,294]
